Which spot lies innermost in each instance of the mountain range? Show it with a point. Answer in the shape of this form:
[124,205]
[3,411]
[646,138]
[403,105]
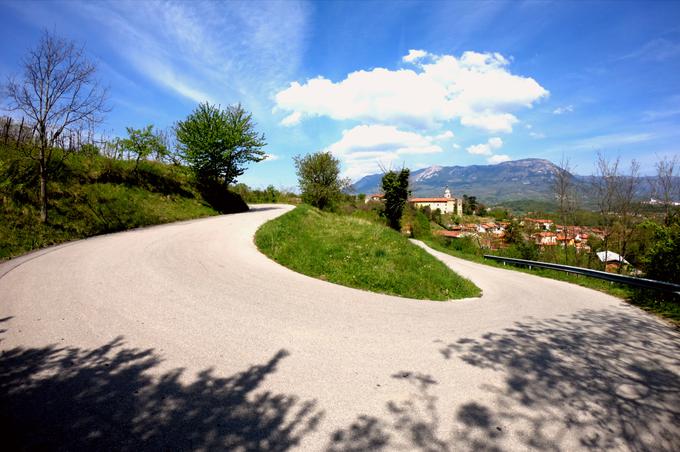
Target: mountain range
[507,181]
[518,180]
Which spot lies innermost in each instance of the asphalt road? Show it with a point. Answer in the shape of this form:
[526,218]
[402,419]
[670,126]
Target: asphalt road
[184,336]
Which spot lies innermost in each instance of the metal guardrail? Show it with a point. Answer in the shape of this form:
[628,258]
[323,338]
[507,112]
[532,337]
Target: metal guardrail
[613,277]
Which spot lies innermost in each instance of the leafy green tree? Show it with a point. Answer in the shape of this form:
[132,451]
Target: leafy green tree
[469,205]
[89,150]
[498,213]
[395,187]
[527,250]
[319,179]
[218,144]
[514,233]
[141,143]
[663,257]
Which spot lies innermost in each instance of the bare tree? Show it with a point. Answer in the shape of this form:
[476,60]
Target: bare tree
[604,184]
[58,91]
[563,187]
[627,205]
[665,185]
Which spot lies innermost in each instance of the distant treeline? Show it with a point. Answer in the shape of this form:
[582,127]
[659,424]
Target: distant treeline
[267,195]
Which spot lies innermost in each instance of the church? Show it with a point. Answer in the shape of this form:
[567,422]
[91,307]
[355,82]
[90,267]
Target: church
[447,204]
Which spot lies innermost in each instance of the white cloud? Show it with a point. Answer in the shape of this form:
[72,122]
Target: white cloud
[612,140]
[563,110]
[499,158]
[652,115]
[292,119]
[414,55]
[444,136]
[485,148]
[660,49]
[477,89]
[537,135]
[365,148]
[489,121]
[204,50]
[271,157]
[456,146]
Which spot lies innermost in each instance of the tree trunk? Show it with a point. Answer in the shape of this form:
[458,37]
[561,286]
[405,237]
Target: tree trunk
[43,186]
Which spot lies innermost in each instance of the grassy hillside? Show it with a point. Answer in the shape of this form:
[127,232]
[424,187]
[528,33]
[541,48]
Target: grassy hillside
[92,195]
[358,253]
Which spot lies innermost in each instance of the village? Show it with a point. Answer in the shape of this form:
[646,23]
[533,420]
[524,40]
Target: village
[449,221]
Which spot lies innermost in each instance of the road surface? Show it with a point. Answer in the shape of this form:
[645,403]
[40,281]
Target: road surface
[184,336]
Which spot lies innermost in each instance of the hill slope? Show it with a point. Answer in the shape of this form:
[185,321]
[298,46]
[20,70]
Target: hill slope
[519,179]
[91,194]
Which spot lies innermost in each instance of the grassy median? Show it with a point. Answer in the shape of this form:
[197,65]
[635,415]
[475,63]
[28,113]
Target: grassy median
[357,253]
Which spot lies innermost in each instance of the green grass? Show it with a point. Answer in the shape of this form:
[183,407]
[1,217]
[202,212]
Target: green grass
[91,195]
[357,253]
[649,301]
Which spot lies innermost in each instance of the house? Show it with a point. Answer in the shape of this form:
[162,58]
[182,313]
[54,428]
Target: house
[538,223]
[377,197]
[545,238]
[612,261]
[565,238]
[446,204]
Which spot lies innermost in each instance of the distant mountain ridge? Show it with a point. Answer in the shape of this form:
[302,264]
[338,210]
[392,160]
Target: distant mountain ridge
[507,181]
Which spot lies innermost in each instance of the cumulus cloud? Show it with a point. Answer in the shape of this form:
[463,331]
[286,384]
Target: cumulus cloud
[365,148]
[414,55]
[499,158]
[485,148]
[476,89]
[444,136]
[563,110]
[292,119]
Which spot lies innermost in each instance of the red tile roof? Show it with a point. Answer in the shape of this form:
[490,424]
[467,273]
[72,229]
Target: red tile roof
[430,199]
[453,234]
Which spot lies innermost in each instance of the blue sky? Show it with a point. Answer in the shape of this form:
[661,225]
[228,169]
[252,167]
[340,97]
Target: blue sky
[387,83]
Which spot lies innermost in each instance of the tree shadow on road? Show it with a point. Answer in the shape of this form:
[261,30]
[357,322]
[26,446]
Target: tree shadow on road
[105,399]
[595,380]
[613,380]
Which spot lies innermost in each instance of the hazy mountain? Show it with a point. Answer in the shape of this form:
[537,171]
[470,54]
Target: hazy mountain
[515,180]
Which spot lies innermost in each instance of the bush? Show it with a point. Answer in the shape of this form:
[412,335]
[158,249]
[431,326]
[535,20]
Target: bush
[420,229]
[319,179]
[663,258]
[395,187]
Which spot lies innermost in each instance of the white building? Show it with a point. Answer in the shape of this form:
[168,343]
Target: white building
[447,204]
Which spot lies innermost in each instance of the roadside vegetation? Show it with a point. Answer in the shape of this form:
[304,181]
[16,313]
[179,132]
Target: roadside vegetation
[90,195]
[60,180]
[358,253]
